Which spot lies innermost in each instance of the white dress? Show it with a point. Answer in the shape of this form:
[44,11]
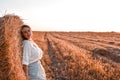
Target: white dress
[31,57]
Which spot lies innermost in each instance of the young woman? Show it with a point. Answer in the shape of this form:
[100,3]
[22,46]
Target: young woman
[31,56]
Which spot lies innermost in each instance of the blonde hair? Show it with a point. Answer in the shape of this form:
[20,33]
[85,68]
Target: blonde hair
[23,26]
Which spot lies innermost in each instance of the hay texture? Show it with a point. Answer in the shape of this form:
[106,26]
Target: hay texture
[10,48]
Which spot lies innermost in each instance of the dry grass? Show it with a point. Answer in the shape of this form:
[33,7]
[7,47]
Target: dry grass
[10,50]
[80,56]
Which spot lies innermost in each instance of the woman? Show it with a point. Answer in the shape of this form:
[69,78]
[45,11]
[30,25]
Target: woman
[31,56]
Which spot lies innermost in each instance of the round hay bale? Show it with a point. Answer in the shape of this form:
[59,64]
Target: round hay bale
[10,49]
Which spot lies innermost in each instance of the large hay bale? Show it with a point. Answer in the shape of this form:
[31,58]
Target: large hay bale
[10,50]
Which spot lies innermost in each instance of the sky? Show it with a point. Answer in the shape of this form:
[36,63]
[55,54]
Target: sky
[66,15]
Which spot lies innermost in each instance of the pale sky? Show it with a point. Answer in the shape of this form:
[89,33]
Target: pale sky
[66,15]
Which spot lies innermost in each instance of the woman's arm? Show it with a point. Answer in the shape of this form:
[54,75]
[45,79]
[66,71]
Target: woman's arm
[25,68]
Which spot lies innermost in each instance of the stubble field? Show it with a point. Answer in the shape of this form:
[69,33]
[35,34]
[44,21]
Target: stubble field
[80,55]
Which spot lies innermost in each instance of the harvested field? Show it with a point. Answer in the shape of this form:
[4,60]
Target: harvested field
[67,55]
[80,55]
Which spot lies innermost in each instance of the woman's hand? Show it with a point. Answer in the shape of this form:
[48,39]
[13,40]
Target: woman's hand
[25,68]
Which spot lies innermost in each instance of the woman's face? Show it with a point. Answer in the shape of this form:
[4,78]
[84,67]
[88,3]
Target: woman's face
[27,33]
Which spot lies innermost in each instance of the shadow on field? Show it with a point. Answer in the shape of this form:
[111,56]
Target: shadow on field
[109,52]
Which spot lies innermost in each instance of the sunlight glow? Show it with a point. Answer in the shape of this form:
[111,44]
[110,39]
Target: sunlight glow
[66,15]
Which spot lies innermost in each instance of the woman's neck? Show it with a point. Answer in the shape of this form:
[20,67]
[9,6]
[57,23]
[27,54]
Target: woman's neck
[30,39]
